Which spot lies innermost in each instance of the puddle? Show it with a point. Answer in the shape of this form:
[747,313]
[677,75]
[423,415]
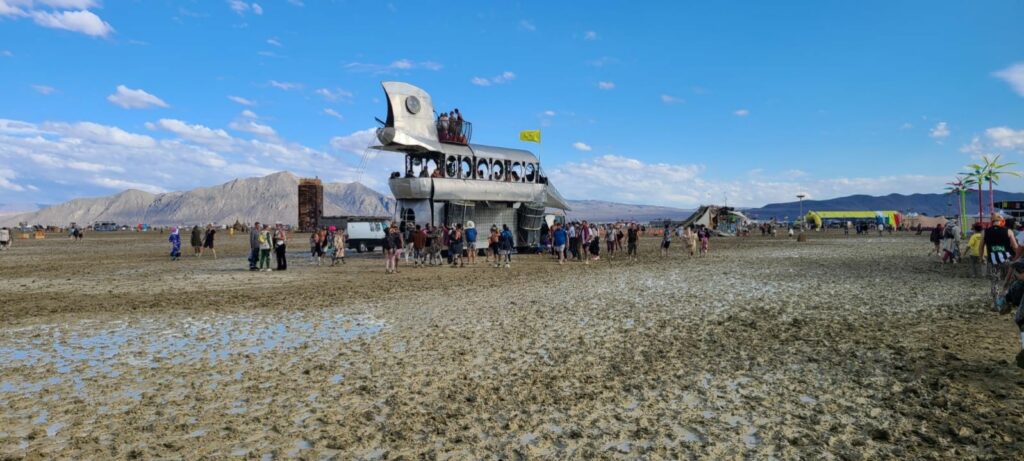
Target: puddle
[78,352]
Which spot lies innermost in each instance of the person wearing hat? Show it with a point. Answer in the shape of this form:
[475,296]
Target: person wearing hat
[471,241]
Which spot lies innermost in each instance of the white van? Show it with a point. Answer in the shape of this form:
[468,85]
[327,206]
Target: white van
[365,235]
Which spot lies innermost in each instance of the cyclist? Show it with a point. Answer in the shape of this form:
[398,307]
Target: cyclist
[1001,246]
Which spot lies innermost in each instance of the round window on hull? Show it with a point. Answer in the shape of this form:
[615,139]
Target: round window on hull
[498,171]
[482,168]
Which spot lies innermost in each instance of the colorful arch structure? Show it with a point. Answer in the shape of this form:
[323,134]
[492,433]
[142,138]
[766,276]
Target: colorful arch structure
[887,217]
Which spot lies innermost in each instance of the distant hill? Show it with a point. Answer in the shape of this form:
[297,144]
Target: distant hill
[600,211]
[929,204]
[272,198]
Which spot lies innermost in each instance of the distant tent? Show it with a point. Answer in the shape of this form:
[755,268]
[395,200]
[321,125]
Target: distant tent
[890,218]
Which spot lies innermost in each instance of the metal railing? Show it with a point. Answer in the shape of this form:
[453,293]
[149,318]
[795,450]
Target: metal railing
[454,131]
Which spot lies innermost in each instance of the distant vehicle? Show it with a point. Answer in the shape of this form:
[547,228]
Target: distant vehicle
[104,226]
[364,236]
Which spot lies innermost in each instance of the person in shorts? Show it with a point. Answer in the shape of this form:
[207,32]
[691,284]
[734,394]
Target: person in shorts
[471,241]
[5,238]
[560,238]
[455,239]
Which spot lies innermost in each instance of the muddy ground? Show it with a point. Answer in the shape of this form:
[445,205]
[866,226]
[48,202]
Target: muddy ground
[837,348]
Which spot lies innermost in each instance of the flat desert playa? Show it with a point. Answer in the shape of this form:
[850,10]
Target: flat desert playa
[837,348]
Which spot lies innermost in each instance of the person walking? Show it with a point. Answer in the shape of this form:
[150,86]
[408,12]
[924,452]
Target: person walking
[506,244]
[632,240]
[609,237]
[574,241]
[560,236]
[666,240]
[471,241]
[265,242]
[492,244]
[936,238]
[704,235]
[175,240]
[281,246]
[392,242]
[197,241]
[254,246]
[584,242]
[339,247]
[419,245]
[208,241]
[691,239]
[976,250]
[455,246]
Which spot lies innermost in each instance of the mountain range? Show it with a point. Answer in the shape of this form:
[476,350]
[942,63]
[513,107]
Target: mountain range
[271,198]
[274,198]
[927,204]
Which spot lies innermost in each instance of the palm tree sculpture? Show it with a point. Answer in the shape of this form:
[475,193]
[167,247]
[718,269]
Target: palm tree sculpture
[959,187]
[976,173]
[995,171]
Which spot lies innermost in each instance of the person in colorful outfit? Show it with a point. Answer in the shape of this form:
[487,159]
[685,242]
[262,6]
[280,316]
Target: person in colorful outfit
[175,240]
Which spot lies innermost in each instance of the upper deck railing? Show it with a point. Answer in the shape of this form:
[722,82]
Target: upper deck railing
[454,131]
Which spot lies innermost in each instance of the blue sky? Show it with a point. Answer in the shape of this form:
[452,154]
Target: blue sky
[675,104]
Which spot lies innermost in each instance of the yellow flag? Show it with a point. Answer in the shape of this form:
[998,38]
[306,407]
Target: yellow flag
[530,136]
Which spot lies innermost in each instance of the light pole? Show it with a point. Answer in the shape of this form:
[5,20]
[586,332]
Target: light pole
[801,198]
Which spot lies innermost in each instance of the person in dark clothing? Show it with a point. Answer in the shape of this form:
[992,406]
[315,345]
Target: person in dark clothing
[254,246]
[632,237]
[280,247]
[935,237]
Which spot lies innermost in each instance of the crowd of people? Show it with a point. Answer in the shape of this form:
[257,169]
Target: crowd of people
[450,127]
[997,251]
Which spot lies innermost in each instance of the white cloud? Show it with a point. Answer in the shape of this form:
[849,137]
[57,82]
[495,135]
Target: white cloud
[6,177]
[121,184]
[242,101]
[98,133]
[241,7]
[630,180]
[941,131]
[906,126]
[250,126]
[393,67]
[75,158]
[550,113]
[1005,137]
[286,86]
[669,99]
[195,133]
[741,112]
[274,41]
[605,85]
[1014,75]
[505,77]
[590,35]
[580,145]
[527,25]
[249,114]
[43,89]
[333,113]
[334,95]
[135,99]
[82,21]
